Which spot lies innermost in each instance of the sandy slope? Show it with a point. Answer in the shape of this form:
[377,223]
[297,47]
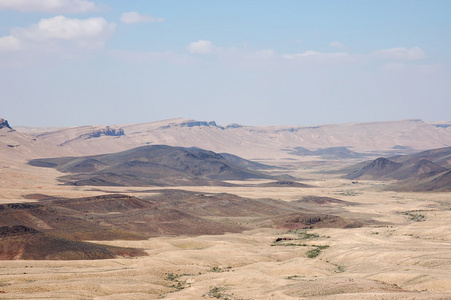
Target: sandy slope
[397,259]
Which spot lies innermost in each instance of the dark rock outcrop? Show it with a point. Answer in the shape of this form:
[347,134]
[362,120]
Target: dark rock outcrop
[23,242]
[194,123]
[107,131]
[4,124]
[16,230]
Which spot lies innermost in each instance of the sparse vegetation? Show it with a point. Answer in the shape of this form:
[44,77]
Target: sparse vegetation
[293,277]
[304,235]
[316,251]
[340,269]
[300,278]
[178,284]
[287,244]
[172,276]
[414,217]
[348,193]
[218,293]
[217,269]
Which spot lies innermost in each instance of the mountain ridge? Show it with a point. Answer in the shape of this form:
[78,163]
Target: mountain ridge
[254,142]
[426,171]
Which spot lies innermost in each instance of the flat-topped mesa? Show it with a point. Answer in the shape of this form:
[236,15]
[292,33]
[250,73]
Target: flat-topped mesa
[4,124]
[108,132]
[194,123]
[234,125]
[198,123]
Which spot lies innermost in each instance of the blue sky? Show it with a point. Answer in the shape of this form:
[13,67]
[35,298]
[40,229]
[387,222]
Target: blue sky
[79,62]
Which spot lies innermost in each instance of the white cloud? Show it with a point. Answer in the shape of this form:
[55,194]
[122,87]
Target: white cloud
[134,17]
[401,53]
[87,33]
[201,47]
[315,58]
[310,54]
[50,6]
[337,45]
[9,43]
[153,57]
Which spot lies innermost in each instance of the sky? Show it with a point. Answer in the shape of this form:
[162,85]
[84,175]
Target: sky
[252,62]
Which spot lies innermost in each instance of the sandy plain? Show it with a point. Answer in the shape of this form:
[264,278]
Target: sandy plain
[404,254]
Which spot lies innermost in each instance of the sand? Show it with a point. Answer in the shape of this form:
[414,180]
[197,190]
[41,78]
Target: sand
[397,258]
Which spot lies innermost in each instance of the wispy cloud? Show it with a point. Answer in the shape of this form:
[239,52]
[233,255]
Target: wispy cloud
[400,53]
[50,6]
[85,33]
[265,53]
[337,45]
[153,57]
[9,43]
[311,56]
[240,57]
[134,17]
[201,47]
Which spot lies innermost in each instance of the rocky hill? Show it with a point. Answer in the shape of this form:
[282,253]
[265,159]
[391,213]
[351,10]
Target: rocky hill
[424,171]
[158,165]
[380,168]
[55,228]
[22,242]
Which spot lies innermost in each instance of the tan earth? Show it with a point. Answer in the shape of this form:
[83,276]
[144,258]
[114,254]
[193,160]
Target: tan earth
[406,256]
[398,259]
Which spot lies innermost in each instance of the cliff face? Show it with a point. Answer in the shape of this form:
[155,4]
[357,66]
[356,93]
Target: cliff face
[4,124]
[107,131]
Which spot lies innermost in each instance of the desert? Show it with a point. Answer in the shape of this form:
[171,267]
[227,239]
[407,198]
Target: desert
[238,150]
[260,223]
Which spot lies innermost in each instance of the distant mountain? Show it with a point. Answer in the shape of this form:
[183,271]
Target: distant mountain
[417,169]
[16,146]
[440,156]
[424,171]
[156,165]
[334,141]
[438,183]
[332,152]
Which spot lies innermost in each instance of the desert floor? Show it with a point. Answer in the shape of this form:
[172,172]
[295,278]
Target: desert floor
[405,255]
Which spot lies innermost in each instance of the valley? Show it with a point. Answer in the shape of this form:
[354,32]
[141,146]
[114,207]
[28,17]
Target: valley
[294,226]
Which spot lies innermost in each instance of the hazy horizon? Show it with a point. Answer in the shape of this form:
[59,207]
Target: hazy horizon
[14,125]
[295,63]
